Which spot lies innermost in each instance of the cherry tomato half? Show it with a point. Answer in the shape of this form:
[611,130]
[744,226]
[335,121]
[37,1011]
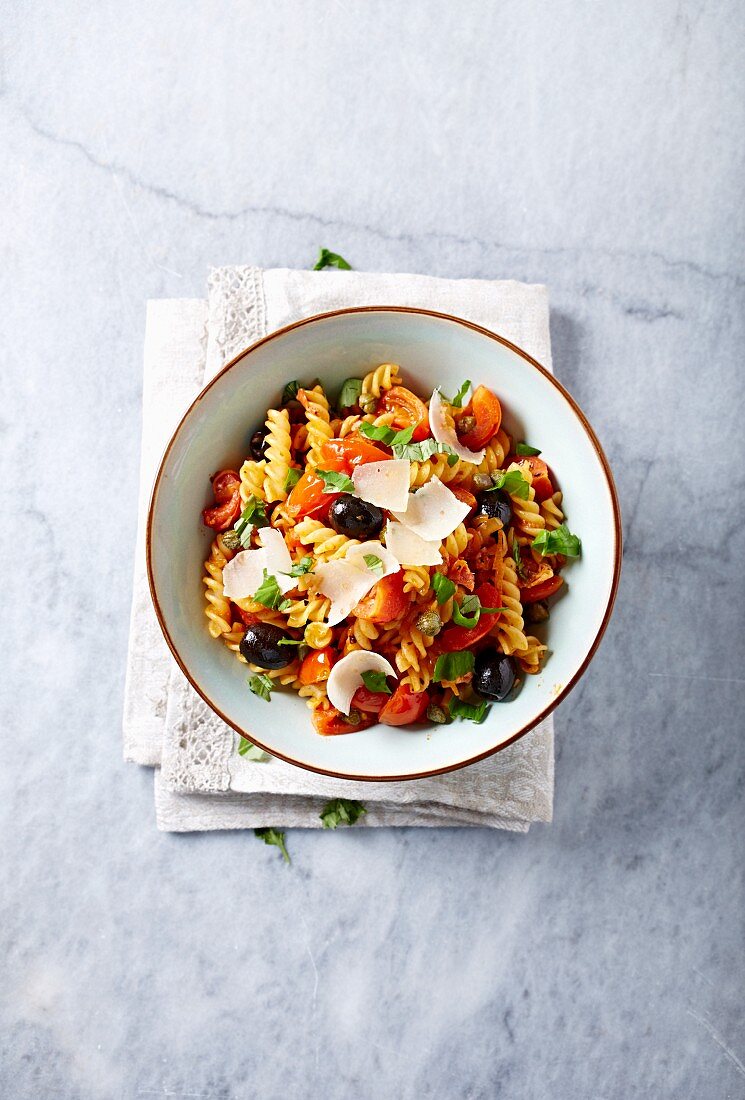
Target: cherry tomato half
[331,722]
[226,487]
[404,707]
[370,701]
[317,665]
[541,591]
[454,638]
[385,601]
[541,475]
[409,410]
[485,408]
[308,497]
[345,454]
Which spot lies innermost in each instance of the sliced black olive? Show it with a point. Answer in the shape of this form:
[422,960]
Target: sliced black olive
[261,646]
[493,675]
[258,444]
[355,518]
[494,503]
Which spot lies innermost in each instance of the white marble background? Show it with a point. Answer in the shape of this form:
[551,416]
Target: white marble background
[593,146]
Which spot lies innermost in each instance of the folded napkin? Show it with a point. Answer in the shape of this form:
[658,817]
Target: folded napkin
[201,782]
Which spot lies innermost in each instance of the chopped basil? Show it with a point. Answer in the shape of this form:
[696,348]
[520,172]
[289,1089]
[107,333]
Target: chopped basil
[475,712]
[253,515]
[330,259]
[524,449]
[269,594]
[374,564]
[457,401]
[289,393]
[291,478]
[260,685]
[450,666]
[252,752]
[300,568]
[422,452]
[518,558]
[349,394]
[443,587]
[560,541]
[341,811]
[335,482]
[275,837]
[513,482]
[383,434]
[469,611]
[375,681]
[289,641]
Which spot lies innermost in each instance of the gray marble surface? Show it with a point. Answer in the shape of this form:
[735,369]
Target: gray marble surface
[594,147]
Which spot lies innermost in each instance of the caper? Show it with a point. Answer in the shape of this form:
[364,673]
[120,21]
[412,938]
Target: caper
[436,714]
[231,540]
[466,424]
[429,623]
[537,612]
[368,403]
[353,718]
[482,481]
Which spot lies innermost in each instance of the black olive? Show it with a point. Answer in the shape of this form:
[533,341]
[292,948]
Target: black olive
[355,518]
[494,503]
[296,412]
[261,646]
[258,444]
[493,675]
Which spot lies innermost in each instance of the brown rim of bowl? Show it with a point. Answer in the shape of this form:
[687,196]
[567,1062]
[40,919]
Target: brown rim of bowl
[616,522]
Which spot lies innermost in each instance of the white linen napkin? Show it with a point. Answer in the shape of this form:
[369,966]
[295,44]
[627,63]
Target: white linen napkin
[201,782]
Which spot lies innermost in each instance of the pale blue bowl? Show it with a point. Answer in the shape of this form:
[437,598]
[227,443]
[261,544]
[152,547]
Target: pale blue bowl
[432,349]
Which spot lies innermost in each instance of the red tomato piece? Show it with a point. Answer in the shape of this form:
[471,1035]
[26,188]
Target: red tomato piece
[344,454]
[459,572]
[404,707]
[370,701]
[542,590]
[465,496]
[246,617]
[308,497]
[485,408]
[542,485]
[454,638]
[410,411]
[329,723]
[226,488]
[385,601]
[317,665]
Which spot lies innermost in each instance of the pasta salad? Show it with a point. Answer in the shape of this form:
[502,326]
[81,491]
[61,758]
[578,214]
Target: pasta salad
[389,558]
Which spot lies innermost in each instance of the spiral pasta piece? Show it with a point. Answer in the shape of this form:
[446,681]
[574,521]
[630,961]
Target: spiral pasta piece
[315,695]
[381,378]
[314,609]
[455,544]
[495,453]
[316,405]
[361,635]
[417,579]
[278,450]
[532,658]
[481,532]
[252,480]
[217,606]
[552,512]
[436,466]
[411,659]
[326,543]
[287,676]
[526,514]
[510,627]
[318,635]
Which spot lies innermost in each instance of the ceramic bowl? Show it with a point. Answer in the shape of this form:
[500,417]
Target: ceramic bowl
[432,349]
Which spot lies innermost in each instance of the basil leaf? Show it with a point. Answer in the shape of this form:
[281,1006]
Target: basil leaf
[300,568]
[349,393]
[330,259]
[376,681]
[252,752]
[290,641]
[269,595]
[560,541]
[450,666]
[291,479]
[341,811]
[374,564]
[513,483]
[253,515]
[443,587]
[383,434]
[260,685]
[524,449]
[468,613]
[335,482]
[422,452]
[289,393]
[475,712]
[457,401]
[518,558]
[275,837]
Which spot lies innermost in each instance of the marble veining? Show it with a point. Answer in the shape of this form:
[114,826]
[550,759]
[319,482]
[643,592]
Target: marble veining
[593,148]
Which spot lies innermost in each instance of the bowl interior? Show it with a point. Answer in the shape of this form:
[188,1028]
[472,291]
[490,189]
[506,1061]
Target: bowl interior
[432,351]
